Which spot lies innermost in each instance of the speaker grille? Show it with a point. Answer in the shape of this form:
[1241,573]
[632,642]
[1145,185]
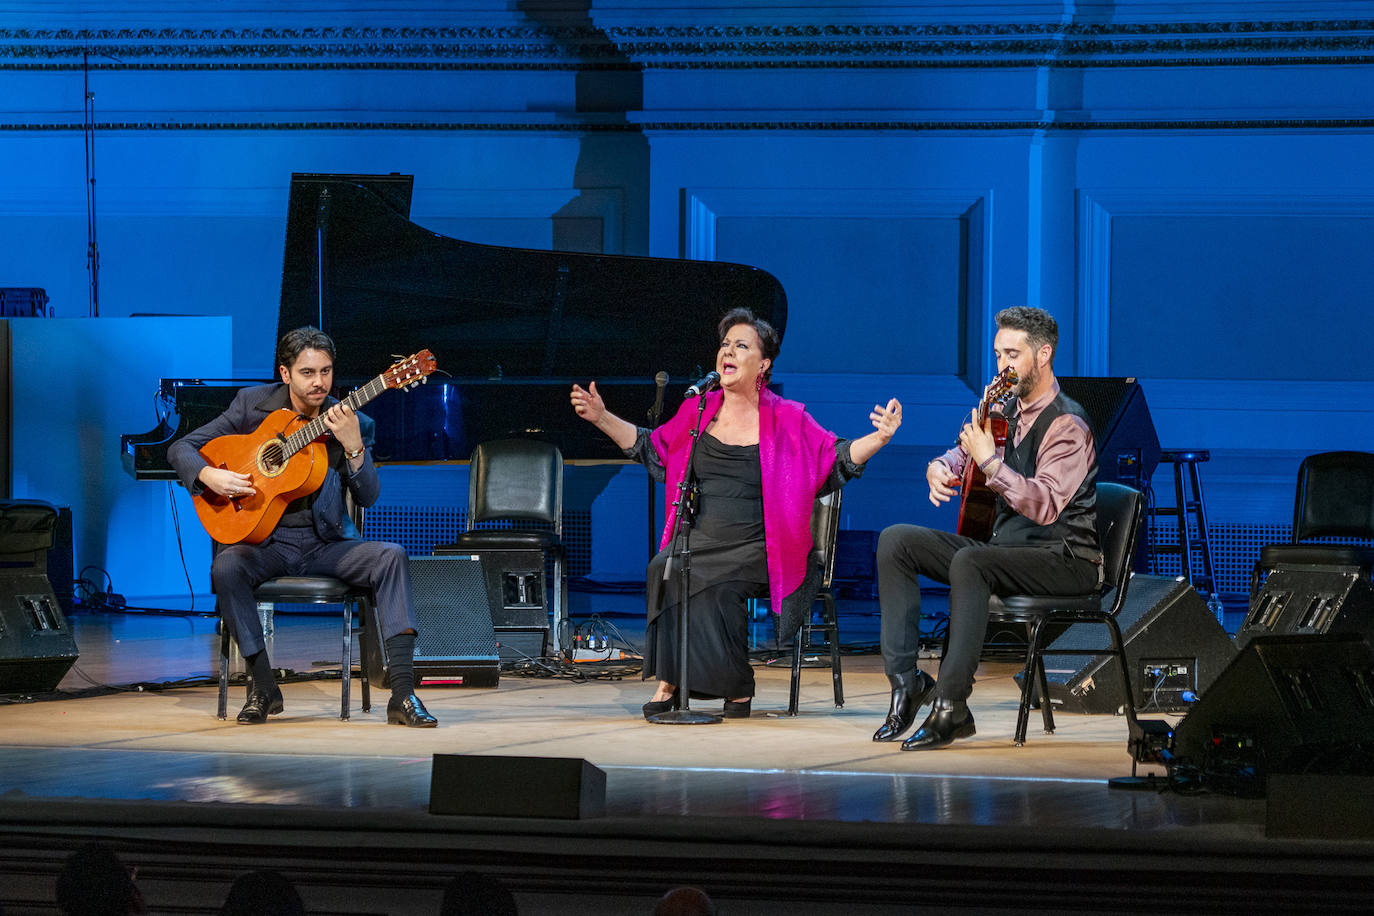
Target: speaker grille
[420,529]
[1235,549]
[451,609]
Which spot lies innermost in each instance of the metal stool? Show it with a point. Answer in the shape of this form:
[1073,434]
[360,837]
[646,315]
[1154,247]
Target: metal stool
[1183,505]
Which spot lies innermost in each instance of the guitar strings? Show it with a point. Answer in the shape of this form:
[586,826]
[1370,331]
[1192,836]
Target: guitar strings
[298,440]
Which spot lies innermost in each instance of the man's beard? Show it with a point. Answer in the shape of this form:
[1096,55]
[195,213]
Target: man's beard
[1028,382]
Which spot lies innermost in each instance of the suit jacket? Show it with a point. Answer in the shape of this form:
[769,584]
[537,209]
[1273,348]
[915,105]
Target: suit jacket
[249,408]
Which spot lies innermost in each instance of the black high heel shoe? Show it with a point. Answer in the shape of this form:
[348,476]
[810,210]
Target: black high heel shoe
[736,710]
[654,707]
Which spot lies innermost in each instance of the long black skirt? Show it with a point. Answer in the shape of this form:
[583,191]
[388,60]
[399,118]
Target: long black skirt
[717,642]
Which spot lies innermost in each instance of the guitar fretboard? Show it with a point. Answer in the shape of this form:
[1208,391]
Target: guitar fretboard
[316,428]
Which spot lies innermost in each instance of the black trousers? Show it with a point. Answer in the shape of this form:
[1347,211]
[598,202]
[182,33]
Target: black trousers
[974,571]
[240,568]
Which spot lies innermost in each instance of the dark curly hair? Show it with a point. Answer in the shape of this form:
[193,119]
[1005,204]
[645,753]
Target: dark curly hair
[306,338]
[769,340]
[1039,325]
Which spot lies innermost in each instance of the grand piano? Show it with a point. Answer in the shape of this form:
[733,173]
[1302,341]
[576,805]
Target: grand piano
[511,328]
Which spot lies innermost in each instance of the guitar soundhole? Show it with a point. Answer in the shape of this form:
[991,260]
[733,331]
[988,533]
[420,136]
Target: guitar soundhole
[270,458]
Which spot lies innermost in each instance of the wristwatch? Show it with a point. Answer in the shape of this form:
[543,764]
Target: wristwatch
[351,455]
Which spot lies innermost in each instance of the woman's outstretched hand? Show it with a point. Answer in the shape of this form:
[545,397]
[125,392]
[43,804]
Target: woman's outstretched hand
[589,406]
[887,419]
[587,403]
[885,423]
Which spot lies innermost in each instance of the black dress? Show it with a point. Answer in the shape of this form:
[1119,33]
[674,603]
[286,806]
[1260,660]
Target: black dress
[729,566]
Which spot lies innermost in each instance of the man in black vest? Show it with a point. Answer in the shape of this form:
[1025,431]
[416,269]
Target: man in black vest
[1044,537]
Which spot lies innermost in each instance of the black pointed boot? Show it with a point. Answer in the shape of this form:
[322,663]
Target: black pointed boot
[909,693]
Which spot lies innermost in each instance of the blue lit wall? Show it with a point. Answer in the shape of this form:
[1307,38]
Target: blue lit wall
[1188,192]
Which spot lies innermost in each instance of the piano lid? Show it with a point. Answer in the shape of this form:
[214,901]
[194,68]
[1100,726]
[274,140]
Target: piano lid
[487,312]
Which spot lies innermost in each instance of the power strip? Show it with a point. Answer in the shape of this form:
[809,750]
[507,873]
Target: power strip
[601,655]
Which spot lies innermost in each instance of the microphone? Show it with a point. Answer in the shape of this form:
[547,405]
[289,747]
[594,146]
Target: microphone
[660,380]
[705,384]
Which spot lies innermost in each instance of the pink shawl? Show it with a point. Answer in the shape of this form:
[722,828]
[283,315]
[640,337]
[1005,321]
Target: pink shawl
[795,455]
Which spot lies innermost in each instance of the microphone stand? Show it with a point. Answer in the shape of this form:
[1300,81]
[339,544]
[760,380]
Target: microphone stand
[685,715]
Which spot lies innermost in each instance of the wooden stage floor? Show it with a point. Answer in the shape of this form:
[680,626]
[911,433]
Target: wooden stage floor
[132,764]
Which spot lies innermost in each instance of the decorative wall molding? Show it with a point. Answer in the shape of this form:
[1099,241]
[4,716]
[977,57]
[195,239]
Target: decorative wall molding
[116,200]
[1098,209]
[703,207]
[590,124]
[760,45]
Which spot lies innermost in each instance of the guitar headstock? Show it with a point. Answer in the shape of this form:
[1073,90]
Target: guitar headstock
[1001,389]
[410,371]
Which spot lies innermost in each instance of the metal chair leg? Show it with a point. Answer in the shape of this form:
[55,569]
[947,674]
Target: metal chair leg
[1027,686]
[794,690]
[1043,687]
[346,671]
[833,635]
[1119,649]
[223,711]
[364,621]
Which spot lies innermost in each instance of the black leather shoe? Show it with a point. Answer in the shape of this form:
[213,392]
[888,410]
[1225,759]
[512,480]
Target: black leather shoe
[736,710]
[409,711]
[909,693]
[654,707]
[260,705]
[949,720]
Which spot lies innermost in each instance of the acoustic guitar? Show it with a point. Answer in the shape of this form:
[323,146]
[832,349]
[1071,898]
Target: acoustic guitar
[977,500]
[285,459]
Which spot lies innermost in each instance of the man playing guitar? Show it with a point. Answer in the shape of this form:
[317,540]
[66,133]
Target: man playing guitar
[314,535]
[1043,540]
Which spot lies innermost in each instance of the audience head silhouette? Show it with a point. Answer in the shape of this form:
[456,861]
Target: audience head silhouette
[93,882]
[475,894]
[685,901]
[262,893]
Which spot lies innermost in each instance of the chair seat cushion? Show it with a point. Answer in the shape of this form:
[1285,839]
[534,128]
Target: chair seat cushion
[472,541]
[1316,555]
[1028,606]
[318,589]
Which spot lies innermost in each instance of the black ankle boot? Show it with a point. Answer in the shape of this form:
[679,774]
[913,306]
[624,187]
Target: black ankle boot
[909,693]
[948,721]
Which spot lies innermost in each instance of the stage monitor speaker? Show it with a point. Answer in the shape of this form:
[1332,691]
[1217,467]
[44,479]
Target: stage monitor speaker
[456,644]
[1173,643]
[1123,431]
[517,593]
[36,644]
[1307,600]
[1285,704]
[562,787]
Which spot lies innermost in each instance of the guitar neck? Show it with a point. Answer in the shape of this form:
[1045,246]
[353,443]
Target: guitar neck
[316,428]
